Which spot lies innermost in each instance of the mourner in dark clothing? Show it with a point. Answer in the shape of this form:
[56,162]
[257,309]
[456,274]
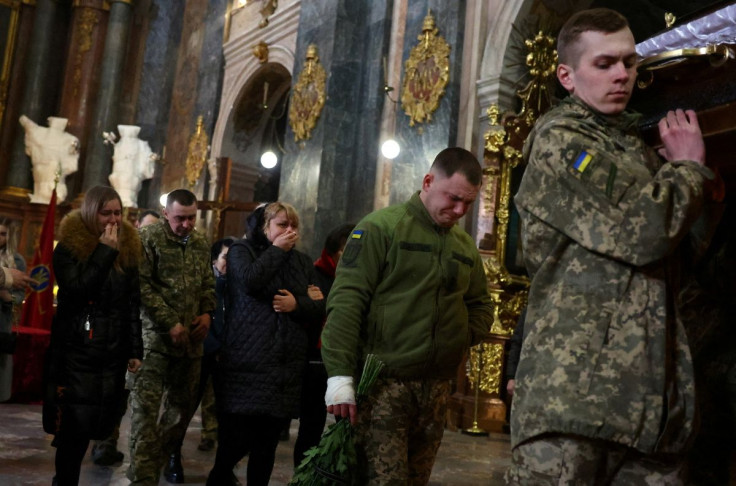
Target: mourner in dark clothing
[264,342]
[312,415]
[96,334]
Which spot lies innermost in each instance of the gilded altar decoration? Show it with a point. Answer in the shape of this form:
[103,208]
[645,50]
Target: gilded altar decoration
[308,96]
[267,11]
[197,153]
[503,143]
[669,19]
[427,74]
[260,51]
[486,368]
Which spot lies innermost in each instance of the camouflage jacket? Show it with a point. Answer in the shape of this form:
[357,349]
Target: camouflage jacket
[177,285]
[604,355]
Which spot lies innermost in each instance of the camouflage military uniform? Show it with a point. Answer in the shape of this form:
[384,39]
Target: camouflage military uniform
[177,285]
[604,356]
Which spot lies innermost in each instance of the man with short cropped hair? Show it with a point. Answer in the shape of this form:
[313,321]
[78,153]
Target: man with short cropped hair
[177,300]
[411,289]
[604,387]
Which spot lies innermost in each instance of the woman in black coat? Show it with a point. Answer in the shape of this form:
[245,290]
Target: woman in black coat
[264,342]
[96,333]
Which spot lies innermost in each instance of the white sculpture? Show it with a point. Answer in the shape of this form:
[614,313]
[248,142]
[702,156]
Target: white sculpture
[54,153]
[133,162]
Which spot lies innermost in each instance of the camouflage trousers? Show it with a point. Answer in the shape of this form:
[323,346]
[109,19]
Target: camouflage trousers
[209,415]
[152,438]
[574,460]
[399,429]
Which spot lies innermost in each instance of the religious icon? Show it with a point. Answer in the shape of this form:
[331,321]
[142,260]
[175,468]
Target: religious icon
[308,97]
[427,74]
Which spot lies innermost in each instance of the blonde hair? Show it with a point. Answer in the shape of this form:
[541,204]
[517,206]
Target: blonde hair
[275,208]
[7,254]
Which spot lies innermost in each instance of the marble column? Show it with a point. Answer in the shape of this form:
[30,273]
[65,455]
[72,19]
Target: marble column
[38,65]
[422,142]
[182,114]
[330,177]
[81,79]
[10,126]
[154,96]
[98,161]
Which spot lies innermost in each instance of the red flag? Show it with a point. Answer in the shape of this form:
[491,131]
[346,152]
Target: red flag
[38,309]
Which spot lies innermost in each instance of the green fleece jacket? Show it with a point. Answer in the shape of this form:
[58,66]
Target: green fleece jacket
[409,291]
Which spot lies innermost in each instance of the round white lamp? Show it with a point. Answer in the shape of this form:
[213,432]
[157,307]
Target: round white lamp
[269,159]
[390,149]
[162,199]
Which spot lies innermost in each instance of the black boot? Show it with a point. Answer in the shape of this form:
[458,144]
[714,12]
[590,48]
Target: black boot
[173,472]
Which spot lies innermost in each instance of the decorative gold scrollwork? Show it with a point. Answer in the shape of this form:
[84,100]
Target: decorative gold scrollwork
[260,51]
[490,363]
[308,96]
[427,74]
[503,142]
[716,55]
[669,19]
[197,153]
[267,11]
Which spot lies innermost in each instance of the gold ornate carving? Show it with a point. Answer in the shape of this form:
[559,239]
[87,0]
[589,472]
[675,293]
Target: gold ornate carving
[715,55]
[267,11]
[260,51]
[308,96]
[88,19]
[427,74]
[490,362]
[669,19]
[503,142]
[197,153]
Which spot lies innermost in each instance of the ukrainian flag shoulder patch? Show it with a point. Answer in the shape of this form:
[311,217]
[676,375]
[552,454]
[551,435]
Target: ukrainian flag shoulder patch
[356,235]
[582,161]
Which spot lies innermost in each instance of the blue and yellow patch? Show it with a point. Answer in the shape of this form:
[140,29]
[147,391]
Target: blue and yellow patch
[582,161]
[356,234]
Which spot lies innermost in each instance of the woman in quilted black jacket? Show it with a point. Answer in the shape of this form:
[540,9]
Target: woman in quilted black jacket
[259,375]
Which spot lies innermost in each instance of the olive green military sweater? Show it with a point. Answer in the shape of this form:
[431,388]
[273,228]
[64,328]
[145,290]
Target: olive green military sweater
[409,291]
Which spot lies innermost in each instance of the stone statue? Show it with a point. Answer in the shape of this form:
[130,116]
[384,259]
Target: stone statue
[133,162]
[54,154]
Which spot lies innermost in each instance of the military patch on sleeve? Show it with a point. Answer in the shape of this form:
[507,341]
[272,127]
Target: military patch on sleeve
[356,234]
[352,250]
[582,161]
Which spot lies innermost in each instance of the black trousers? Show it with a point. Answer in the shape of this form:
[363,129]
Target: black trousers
[312,411]
[238,435]
[70,451]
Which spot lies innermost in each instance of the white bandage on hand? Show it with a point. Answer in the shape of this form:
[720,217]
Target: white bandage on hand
[340,390]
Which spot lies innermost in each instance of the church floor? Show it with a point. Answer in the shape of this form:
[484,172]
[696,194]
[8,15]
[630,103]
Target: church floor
[27,458]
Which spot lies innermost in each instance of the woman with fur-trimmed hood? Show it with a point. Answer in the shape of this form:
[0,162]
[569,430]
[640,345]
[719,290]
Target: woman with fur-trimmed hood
[96,333]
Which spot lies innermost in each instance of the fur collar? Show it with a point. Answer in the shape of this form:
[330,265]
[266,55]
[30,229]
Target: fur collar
[74,235]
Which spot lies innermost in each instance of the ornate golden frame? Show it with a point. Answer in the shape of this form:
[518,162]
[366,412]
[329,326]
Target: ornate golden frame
[308,96]
[197,153]
[503,143]
[13,19]
[427,72]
